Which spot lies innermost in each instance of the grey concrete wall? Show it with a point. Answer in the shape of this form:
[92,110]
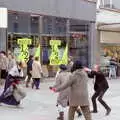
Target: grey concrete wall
[78,9]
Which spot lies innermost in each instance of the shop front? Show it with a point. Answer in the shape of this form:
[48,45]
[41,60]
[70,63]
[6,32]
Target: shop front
[71,33]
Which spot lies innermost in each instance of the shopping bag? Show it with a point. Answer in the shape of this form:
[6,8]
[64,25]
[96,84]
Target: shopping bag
[19,93]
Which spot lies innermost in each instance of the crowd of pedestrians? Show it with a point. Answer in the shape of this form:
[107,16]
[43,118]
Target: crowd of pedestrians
[71,84]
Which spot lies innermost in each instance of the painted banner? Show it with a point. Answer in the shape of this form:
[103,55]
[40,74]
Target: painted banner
[55,57]
[24,51]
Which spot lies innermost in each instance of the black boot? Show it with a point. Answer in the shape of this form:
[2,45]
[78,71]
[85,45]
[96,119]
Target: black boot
[108,111]
[79,112]
[61,116]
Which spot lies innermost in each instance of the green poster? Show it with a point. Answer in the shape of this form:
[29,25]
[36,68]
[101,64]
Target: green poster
[24,51]
[54,57]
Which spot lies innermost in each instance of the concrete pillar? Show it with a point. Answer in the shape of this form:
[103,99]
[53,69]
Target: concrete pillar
[3,28]
[92,45]
[3,39]
[68,32]
[40,35]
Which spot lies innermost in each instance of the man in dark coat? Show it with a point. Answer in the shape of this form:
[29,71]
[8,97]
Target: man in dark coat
[100,87]
[29,69]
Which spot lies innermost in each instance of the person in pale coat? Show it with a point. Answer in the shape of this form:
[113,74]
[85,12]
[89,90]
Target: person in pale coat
[63,96]
[78,91]
[3,66]
[36,72]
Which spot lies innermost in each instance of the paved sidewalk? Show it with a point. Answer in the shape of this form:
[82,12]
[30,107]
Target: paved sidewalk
[41,104]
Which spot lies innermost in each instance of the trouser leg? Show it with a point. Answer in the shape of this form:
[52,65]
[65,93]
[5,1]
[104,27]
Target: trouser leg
[79,111]
[28,80]
[61,112]
[95,95]
[37,83]
[100,99]
[86,112]
[33,83]
[72,110]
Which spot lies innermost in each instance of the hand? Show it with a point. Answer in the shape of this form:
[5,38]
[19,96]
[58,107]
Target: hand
[53,89]
[50,88]
[87,69]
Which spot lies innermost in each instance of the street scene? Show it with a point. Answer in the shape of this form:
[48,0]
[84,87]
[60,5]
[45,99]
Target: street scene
[41,104]
[59,59]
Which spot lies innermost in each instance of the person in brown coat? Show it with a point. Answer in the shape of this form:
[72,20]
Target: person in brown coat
[78,91]
[100,87]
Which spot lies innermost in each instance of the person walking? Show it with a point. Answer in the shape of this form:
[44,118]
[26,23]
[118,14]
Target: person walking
[78,91]
[62,99]
[100,87]
[3,66]
[36,72]
[29,69]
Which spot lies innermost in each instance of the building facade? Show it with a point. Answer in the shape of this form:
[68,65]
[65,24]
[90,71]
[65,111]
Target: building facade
[70,21]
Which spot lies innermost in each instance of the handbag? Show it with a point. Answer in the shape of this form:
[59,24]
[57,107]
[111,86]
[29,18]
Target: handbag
[19,93]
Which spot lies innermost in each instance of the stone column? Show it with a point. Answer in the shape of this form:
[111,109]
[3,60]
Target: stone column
[3,28]
[92,45]
[3,39]
[40,35]
[68,32]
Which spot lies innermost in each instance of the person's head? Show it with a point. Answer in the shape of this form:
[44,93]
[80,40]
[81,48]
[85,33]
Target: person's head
[63,67]
[77,65]
[30,57]
[2,53]
[20,64]
[96,68]
[36,58]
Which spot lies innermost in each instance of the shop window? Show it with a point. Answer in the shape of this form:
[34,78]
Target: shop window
[15,27]
[34,24]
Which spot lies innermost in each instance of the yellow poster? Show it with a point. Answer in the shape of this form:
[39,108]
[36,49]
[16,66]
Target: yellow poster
[24,52]
[54,57]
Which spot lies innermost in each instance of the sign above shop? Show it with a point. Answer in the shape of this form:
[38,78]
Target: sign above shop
[3,18]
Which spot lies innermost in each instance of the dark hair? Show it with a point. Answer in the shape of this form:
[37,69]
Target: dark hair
[36,58]
[76,65]
[63,67]
[3,52]
[31,56]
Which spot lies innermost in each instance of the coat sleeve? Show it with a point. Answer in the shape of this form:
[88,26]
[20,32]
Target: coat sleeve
[91,74]
[58,81]
[66,84]
[40,68]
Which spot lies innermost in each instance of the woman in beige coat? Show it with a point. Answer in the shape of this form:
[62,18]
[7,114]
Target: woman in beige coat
[36,73]
[78,91]
[62,99]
